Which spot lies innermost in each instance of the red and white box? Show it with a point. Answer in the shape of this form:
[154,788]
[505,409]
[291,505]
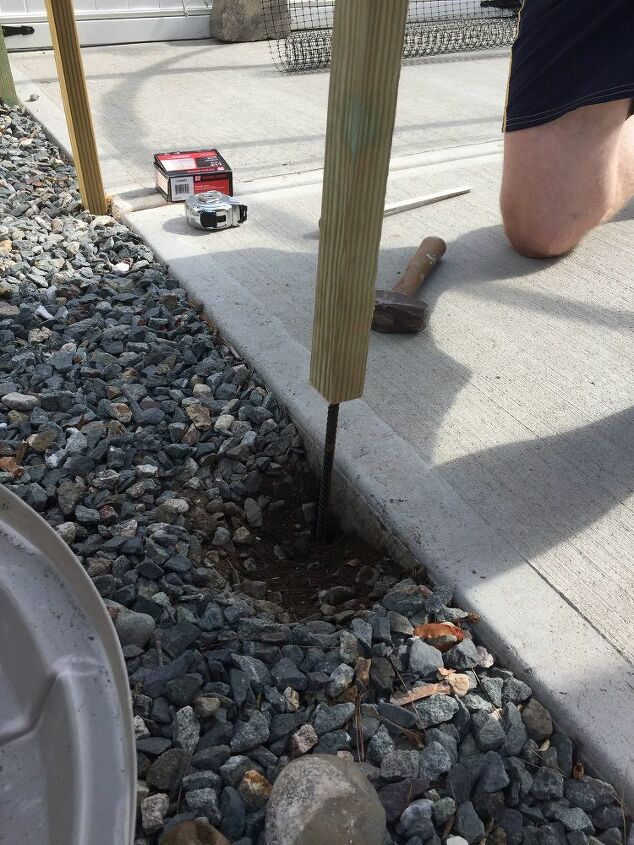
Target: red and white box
[179,175]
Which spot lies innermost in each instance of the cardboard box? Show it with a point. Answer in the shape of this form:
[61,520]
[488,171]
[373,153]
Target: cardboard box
[178,175]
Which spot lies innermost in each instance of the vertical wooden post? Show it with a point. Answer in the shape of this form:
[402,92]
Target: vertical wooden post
[7,88]
[70,71]
[366,61]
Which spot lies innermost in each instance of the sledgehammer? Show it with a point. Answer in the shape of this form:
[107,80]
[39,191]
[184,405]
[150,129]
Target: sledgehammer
[398,310]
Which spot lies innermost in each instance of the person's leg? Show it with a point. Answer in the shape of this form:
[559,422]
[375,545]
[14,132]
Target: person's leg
[563,178]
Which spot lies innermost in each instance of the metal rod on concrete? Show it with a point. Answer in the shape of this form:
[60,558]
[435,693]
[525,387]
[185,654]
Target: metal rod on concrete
[326,472]
[61,19]
[7,88]
[367,46]
[418,202]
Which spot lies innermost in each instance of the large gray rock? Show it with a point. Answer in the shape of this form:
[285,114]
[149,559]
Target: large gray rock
[322,799]
[134,628]
[248,20]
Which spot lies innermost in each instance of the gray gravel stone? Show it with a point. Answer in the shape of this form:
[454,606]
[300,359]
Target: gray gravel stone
[565,753]
[462,656]
[363,632]
[317,800]
[515,691]
[491,735]
[340,680]
[436,709]
[398,765]
[494,776]
[202,780]
[547,784]
[573,818]
[153,809]
[186,729]
[234,769]
[134,628]
[515,731]
[167,771]
[607,817]
[204,802]
[424,659]
[463,776]
[417,810]
[511,822]
[552,834]
[255,670]
[233,814]
[19,401]
[286,674]
[332,718]
[537,721]
[493,689]
[400,624]
[443,810]
[448,740]
[611,836]
[380,746]
[467,823]
[181,691]
[396,717]
[434,762]
[576,837]
[250,734]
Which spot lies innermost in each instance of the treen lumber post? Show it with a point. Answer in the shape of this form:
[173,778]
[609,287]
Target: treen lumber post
[61,19]
[7,88]
[367,46]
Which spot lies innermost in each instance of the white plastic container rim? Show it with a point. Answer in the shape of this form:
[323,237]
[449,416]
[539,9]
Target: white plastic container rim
[67,752]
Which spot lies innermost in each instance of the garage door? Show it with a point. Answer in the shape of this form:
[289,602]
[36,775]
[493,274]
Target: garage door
[111,21]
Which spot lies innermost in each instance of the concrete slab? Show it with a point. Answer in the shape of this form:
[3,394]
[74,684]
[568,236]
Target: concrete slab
[497,446]
[182,95]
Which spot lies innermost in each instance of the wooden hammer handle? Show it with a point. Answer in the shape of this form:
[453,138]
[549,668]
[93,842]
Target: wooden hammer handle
[425,259]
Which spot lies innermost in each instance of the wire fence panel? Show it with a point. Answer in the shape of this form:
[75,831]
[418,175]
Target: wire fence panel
[300,31]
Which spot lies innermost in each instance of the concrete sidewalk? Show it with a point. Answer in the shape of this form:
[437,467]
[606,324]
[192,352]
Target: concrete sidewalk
[497,446]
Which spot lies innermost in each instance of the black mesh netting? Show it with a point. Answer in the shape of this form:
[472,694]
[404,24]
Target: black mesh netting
[301,30]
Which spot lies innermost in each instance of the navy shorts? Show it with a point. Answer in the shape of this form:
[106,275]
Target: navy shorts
[568,54]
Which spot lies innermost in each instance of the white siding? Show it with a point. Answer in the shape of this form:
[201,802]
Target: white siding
[111,21]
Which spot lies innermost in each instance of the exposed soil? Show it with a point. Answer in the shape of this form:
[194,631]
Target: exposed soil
[307,567]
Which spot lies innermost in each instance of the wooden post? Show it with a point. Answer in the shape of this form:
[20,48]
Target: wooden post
[7,88]
[366,61]
[70,71]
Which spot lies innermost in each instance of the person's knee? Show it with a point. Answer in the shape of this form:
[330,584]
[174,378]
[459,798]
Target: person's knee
[534,239]
[539,234]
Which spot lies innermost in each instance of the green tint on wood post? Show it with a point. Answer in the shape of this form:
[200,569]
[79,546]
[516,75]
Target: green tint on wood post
[366,63]
[7,88]
[61,20]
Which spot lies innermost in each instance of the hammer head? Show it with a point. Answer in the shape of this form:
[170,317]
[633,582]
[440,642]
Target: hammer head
[395,312]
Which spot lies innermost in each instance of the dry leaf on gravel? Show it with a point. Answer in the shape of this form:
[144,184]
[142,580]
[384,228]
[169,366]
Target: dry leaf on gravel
[458,682]
[419,693]
[10,465]
[442,635]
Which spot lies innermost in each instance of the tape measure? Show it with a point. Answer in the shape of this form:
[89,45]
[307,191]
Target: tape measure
[214,210]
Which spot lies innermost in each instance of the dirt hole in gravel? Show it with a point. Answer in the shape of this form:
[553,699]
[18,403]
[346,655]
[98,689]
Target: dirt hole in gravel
[306,568]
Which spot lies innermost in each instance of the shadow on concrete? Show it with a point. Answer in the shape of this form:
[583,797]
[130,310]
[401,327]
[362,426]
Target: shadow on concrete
[539,508]
[494,275]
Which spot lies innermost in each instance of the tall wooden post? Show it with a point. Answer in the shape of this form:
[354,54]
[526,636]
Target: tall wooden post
[366,61]
[70,71]
[7,88]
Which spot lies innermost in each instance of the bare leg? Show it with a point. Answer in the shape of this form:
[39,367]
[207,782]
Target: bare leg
[564,178]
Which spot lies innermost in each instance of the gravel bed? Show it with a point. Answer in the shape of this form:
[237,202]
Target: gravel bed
[155,451]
